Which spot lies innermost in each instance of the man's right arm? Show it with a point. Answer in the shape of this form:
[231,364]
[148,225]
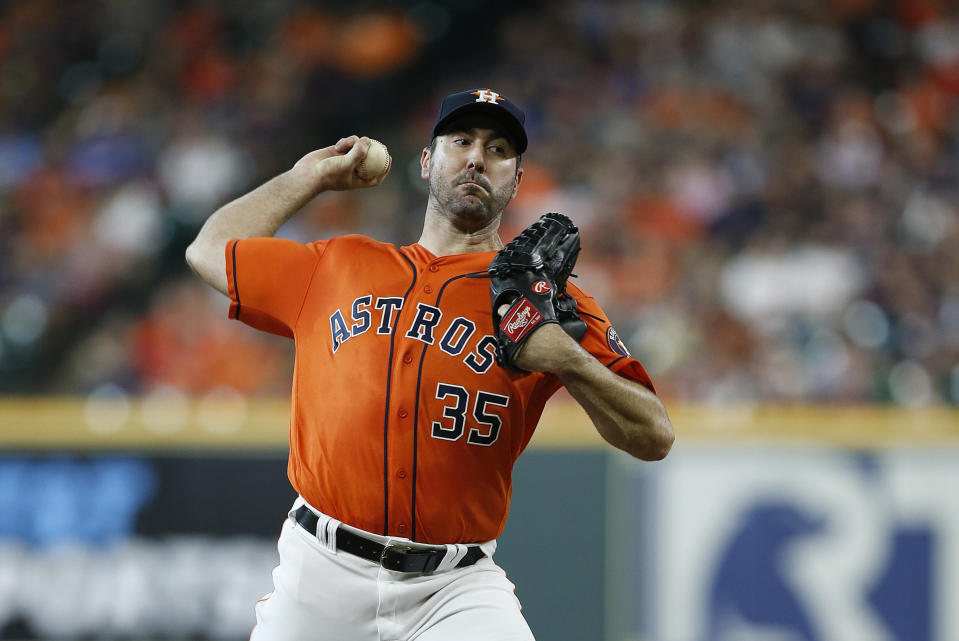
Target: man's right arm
[263,211]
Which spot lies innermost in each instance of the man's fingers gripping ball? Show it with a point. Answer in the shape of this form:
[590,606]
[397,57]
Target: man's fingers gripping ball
[343,145]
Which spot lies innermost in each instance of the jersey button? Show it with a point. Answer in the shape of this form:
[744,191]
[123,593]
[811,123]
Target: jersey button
[401,473]
[428,289]
[401,528]
[403,413]
[434,268]
[408,359]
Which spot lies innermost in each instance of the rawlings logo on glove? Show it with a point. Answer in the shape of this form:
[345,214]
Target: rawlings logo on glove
[523,318]
[529,276]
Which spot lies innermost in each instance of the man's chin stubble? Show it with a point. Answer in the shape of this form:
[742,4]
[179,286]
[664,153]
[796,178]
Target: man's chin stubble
[472,218]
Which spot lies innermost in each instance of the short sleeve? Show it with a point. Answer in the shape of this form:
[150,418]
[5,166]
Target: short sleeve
[602,341]
[268,280]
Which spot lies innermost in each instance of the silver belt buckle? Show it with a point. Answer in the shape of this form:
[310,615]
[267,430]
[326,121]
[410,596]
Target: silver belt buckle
[402,548]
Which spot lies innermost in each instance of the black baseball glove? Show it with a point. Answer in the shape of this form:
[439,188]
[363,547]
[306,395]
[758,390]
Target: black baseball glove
[529,275]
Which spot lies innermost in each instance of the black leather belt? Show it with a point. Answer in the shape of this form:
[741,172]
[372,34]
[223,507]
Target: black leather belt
[395,556]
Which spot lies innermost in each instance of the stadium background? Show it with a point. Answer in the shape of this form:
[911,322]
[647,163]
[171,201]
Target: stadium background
[768,198]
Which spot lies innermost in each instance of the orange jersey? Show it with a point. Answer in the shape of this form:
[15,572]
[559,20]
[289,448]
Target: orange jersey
[402,423]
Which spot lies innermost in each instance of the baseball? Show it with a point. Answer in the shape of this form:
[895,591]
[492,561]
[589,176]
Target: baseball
[376,163]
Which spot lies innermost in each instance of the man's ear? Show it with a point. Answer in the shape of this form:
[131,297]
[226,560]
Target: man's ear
[425,163]
[519,179]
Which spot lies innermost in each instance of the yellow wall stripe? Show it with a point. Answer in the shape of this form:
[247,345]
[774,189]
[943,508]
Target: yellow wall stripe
[236,423]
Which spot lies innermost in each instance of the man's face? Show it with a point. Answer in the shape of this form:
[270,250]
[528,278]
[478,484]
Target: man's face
[472,172]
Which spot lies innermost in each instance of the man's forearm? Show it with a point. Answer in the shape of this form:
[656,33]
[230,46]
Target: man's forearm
[625,413]
[258,213]
[263,211]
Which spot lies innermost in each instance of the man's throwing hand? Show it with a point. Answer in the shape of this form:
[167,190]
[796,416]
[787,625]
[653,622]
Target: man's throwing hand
[334,168]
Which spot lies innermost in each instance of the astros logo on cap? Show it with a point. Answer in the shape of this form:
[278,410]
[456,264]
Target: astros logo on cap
[487,95]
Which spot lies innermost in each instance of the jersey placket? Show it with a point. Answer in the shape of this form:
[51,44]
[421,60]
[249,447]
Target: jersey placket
[414,326]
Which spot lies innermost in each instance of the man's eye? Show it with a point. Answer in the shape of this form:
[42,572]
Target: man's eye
[461,141]
[496,149]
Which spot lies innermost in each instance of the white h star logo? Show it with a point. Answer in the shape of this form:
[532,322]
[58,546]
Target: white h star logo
[486,95]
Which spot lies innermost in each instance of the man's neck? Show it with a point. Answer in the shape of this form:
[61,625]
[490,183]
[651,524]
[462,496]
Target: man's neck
[443,238]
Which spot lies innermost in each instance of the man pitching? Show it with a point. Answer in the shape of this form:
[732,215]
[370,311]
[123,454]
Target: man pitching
[421,372]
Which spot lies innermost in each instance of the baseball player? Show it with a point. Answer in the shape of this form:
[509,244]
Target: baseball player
[412,396]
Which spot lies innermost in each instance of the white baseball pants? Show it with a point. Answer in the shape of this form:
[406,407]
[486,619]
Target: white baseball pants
[322,594]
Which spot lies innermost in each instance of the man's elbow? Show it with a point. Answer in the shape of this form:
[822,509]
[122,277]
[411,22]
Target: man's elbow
[661,447]
[198,257]
[191,256]
[656,443]
[205,264]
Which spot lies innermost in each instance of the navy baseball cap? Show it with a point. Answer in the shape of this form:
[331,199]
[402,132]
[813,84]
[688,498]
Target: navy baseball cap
[487,102]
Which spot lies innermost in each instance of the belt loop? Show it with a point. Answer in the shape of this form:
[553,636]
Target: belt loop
[325,525]
[331,527]
[454,553]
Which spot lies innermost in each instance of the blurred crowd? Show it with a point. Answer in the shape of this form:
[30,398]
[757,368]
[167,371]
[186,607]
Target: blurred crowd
[768,190]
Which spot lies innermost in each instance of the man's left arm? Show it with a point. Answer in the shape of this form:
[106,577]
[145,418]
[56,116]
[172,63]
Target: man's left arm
[627,414]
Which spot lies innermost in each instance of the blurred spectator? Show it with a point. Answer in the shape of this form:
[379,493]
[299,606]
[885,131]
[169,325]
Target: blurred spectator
[767,190]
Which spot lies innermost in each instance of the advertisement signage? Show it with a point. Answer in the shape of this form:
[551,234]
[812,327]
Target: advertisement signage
[808,544]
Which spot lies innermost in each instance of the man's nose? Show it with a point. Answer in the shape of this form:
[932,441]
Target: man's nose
[475,159]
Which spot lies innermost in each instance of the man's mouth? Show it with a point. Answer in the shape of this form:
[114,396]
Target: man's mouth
[473,183]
